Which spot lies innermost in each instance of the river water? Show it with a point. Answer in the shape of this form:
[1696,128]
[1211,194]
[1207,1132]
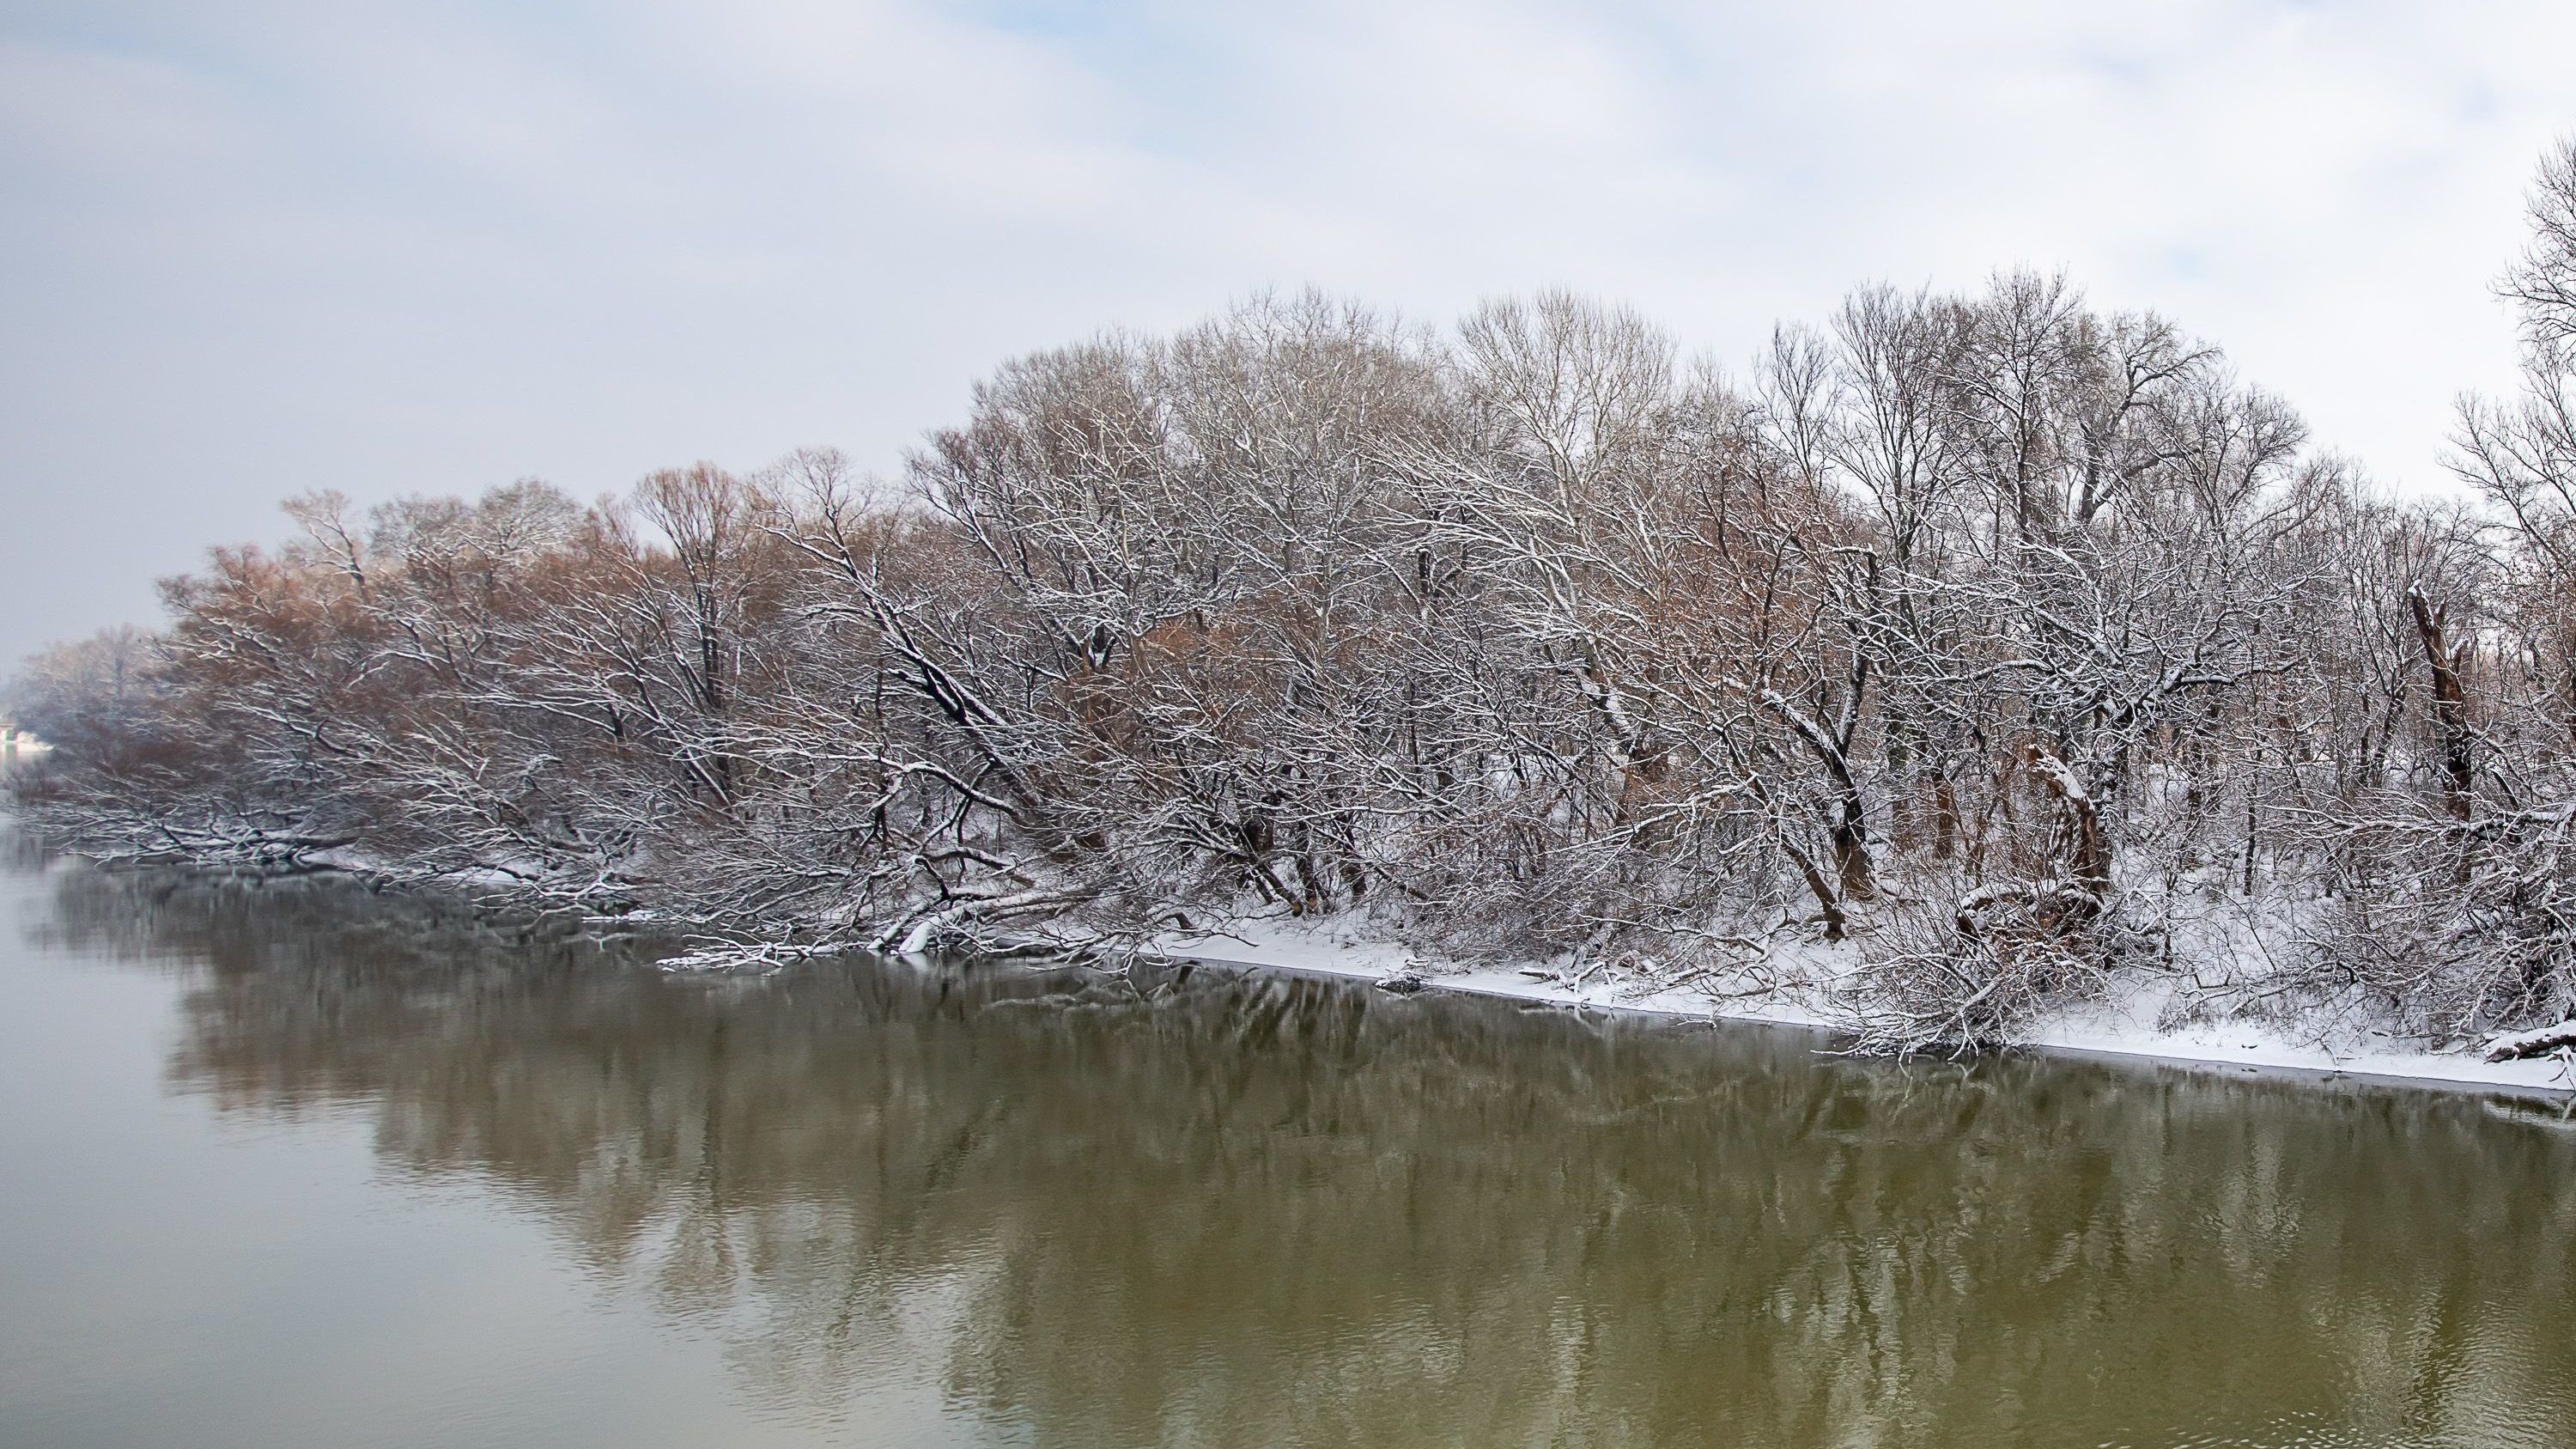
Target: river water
[301,1166]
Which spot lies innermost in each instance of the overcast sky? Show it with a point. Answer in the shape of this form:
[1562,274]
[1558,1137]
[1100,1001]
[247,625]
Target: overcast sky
[252,249]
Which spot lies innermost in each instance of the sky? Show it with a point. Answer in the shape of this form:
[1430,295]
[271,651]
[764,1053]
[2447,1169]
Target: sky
[253,249]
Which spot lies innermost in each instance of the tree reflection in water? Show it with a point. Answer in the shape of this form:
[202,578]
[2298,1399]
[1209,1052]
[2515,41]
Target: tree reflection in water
[1199,1207]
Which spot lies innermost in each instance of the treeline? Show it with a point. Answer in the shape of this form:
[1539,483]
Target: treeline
[2016,645]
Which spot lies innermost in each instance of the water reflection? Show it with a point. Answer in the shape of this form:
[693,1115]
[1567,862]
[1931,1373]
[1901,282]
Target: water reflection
[1201,1208]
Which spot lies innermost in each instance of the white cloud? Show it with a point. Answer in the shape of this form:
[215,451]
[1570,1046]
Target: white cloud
[417,246]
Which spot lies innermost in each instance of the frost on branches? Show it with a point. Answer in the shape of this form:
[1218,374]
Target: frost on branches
[1964,658]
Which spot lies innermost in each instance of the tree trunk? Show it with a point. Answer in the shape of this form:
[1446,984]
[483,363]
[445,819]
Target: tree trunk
[2092,846]
[2450,704]
[1851,850]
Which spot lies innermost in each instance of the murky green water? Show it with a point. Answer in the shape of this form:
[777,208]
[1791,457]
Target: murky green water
[287,1167]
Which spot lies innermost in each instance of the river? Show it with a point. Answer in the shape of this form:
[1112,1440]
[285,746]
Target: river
[299,1165]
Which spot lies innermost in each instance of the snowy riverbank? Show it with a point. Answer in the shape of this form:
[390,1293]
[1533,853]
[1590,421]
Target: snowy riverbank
[2122,1029]
[2125,1028]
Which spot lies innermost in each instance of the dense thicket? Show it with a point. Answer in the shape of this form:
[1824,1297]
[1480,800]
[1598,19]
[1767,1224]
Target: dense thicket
[2019,645]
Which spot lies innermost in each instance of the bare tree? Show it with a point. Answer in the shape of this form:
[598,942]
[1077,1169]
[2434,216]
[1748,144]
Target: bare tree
[1967,657]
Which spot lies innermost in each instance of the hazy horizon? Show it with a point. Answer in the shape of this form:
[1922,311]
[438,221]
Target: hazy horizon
[435,249]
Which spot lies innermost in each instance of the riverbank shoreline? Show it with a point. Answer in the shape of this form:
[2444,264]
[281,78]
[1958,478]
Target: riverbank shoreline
[2118,1032]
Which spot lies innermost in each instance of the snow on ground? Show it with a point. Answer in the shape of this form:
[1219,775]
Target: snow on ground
[1295,946]
[2127,1029]
[2124,1028]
